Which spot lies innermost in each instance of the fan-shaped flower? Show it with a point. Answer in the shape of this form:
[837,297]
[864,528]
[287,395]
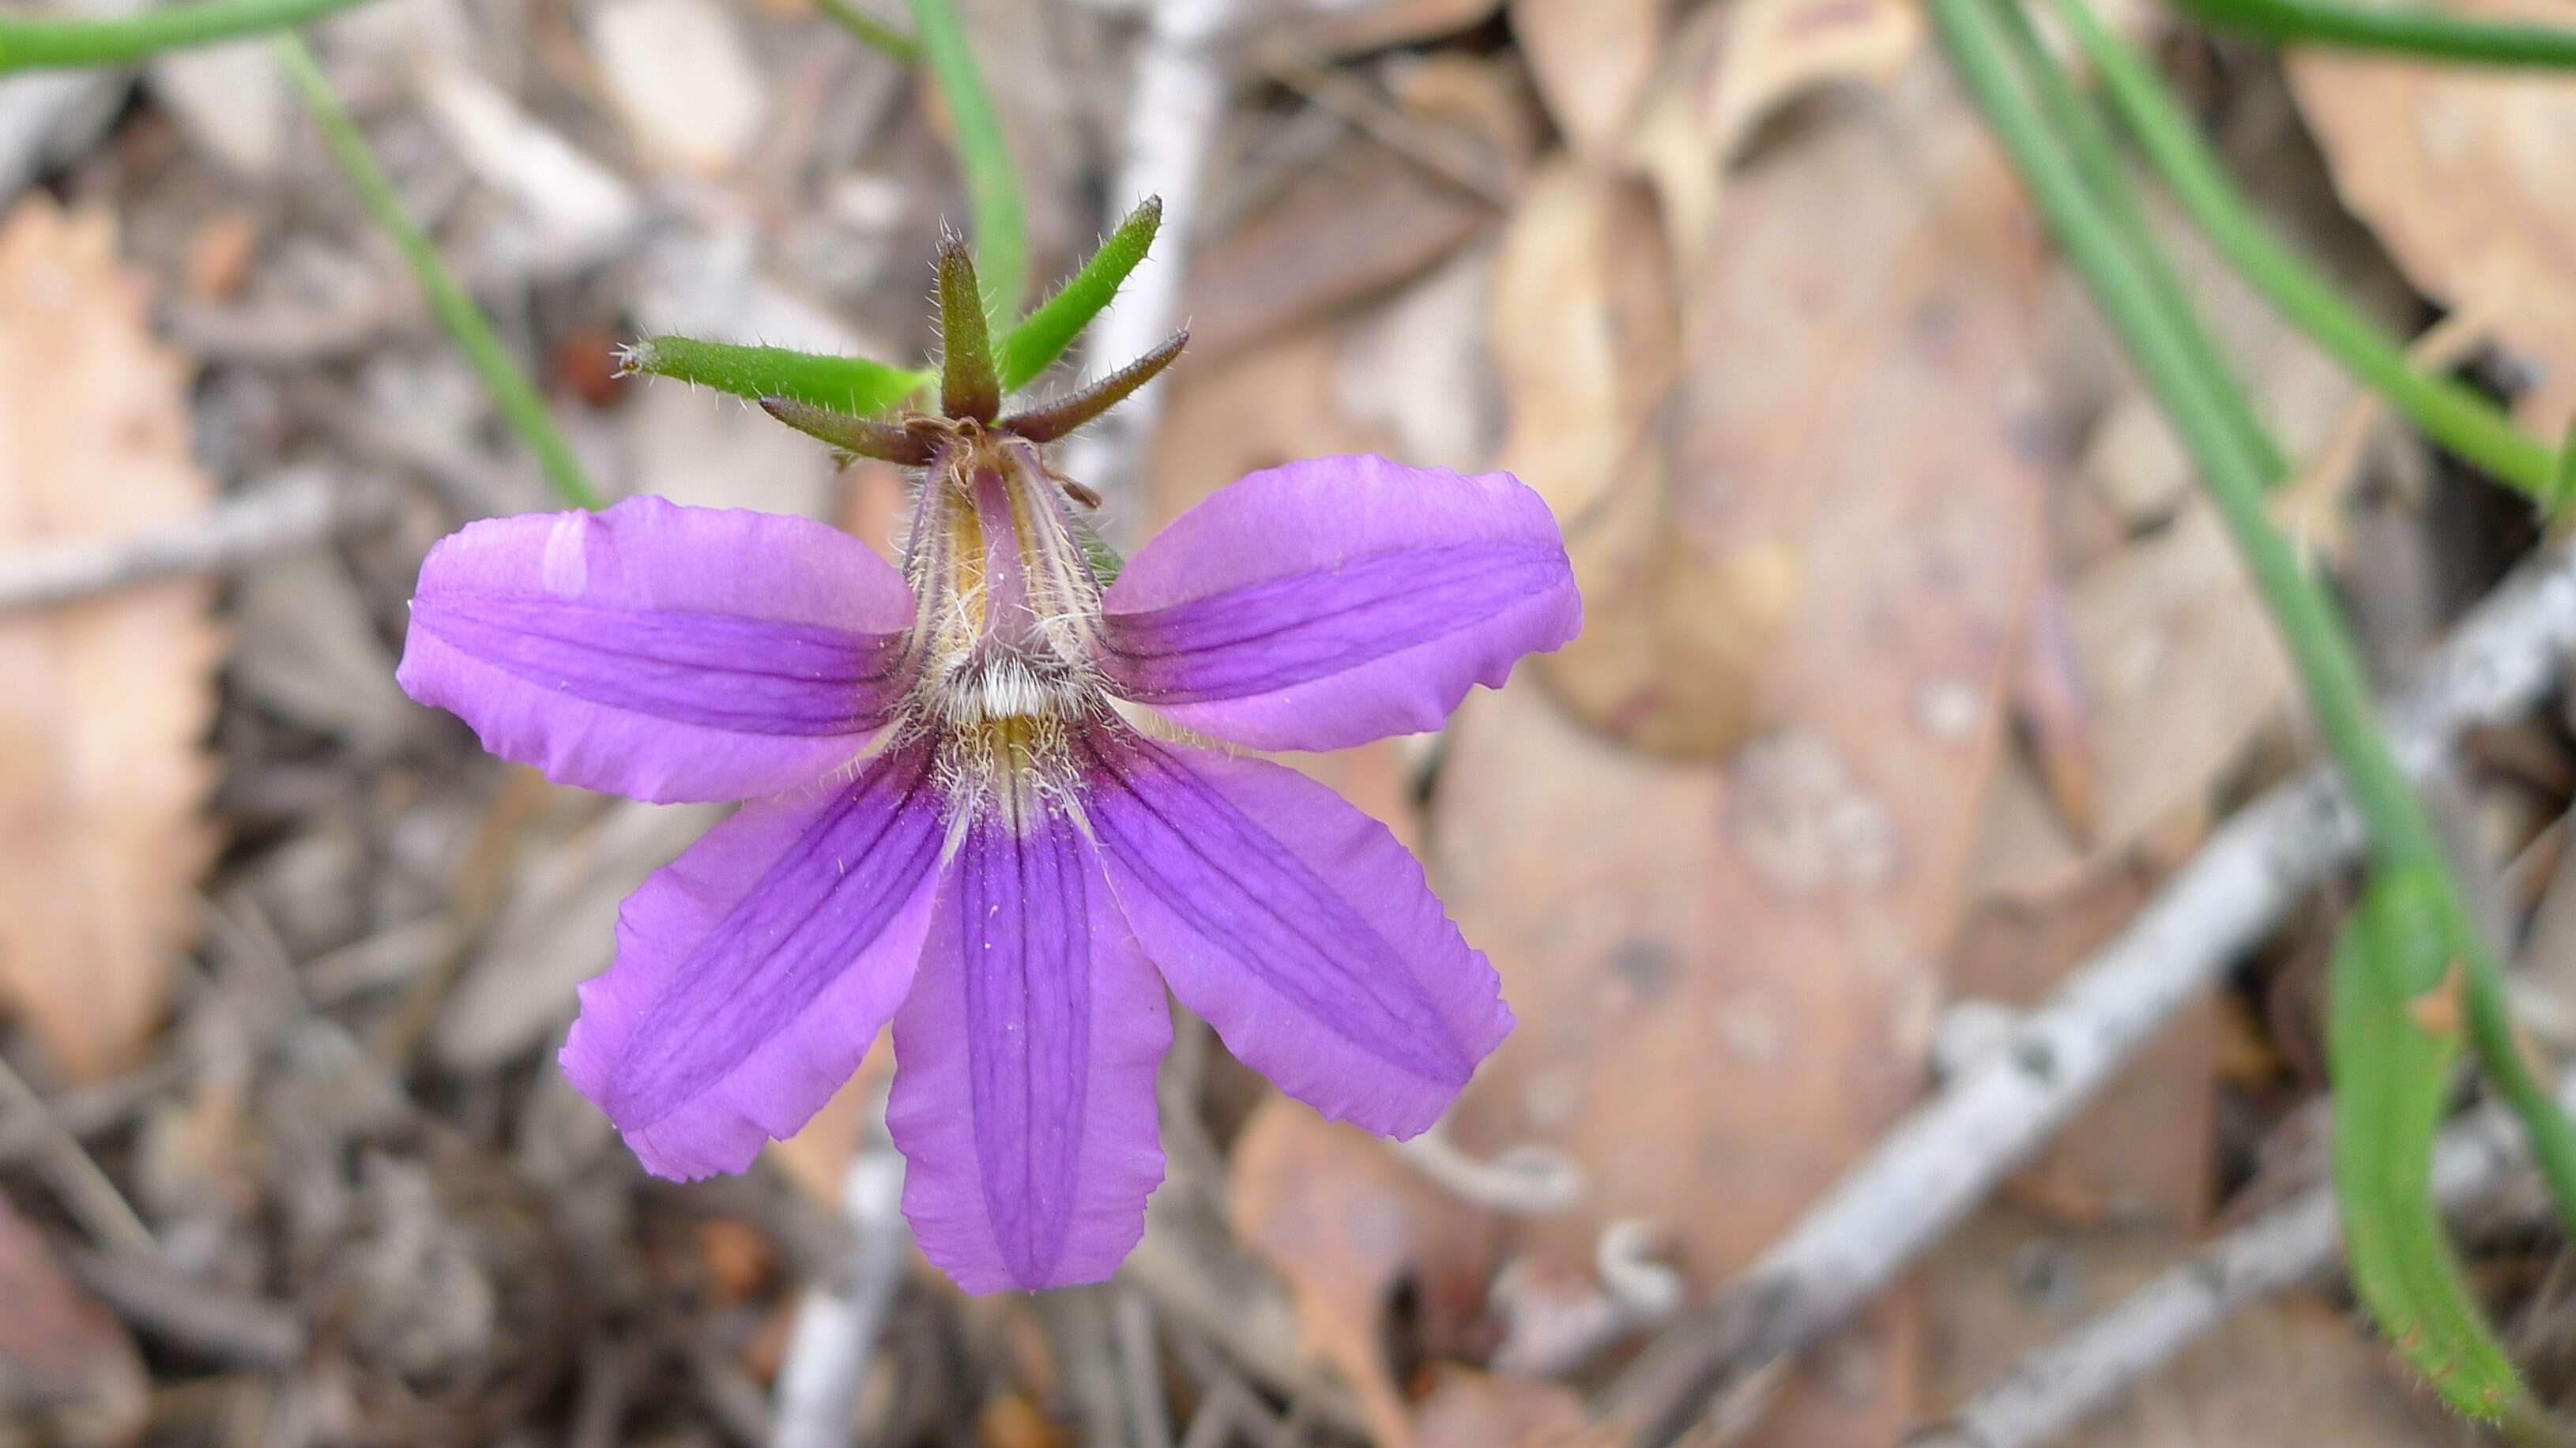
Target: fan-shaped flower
[954,826]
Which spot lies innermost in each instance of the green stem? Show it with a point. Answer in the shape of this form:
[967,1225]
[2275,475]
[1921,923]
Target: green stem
[31,43]
[2409,29]
[2099,155]
[2401,834]
[521,405]
[983,155]
[872,32]
[2453,415]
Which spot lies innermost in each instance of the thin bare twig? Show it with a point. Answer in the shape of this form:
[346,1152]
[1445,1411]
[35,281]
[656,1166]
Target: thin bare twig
[2052,1388]
[1947,1155]
[1140,1371]
[838,1323]
[246,1332]
[294,513]
[74,1174]
[1185,71]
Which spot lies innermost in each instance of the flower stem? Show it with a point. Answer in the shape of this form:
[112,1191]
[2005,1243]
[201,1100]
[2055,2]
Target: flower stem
[983,155]
[2401,834]
[872,32]
[2409,29]
[2450,413]
[521,405]
[2098,154]
[33,43]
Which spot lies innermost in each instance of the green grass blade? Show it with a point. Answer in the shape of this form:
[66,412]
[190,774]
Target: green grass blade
[992,180]
[521,405]
[2456,417]
[2405,29]
[871,32]
[1041,337]
[30,42]
[858,386]
[2393,1037]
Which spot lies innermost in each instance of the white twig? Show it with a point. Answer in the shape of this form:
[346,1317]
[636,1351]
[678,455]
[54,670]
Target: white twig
[838,1323]
[1140,1371]
[1184,74]
[1948,1154]
[2054,1387]
[1527,1180]
[296,512]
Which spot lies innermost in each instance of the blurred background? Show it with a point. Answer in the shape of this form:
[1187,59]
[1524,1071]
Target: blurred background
[1915,665]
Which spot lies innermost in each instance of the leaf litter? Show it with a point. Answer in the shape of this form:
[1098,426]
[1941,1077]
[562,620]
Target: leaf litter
[1912,665]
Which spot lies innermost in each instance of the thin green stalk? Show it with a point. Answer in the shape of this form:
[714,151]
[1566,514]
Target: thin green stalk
[2401,834]
[2099,155]
[521,405]
[38,43]
[2451,414]
[2562,483]
[2408,29]
[983,156]
[872,32]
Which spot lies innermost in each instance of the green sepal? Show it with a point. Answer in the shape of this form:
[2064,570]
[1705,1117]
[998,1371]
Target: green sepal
[2393,1037]
[1043,335]
[967,386]
[857,386]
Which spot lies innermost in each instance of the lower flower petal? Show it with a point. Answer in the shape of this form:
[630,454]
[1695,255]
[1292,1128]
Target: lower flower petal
[753,971]
[1024,1067]
[659,651]
[1298,926]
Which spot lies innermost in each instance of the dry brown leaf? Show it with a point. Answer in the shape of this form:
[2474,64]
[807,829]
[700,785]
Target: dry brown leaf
[1353,29]
[1483,1410]
[1362,220]
[68,1371]
[1591,60]
[1733,65]
[2181,671]
[1585,334]
[103,703]
[2463,173]
[1345,1223]
[1727,976]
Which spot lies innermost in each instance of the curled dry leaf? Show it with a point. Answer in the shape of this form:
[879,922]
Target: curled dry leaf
[1733,65]
[2181,671]
[1345,1223]
[1591,60]
[2462,171]
[1727,972]
[69,1374]
[104,702]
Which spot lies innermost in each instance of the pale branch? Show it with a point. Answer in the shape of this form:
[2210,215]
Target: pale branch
[2054,1387]
[1185,73]
[1949,1153]
[293,514]
[838,1322]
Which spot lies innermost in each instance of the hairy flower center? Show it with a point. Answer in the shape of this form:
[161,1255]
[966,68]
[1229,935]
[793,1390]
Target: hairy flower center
[1009,612]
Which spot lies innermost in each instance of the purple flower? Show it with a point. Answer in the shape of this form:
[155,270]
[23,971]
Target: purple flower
[953,826]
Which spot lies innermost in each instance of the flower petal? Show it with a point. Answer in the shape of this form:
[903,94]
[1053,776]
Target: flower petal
[1338,600]
[1298,927]
[659,651]
[1024,1068]
[753,971]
